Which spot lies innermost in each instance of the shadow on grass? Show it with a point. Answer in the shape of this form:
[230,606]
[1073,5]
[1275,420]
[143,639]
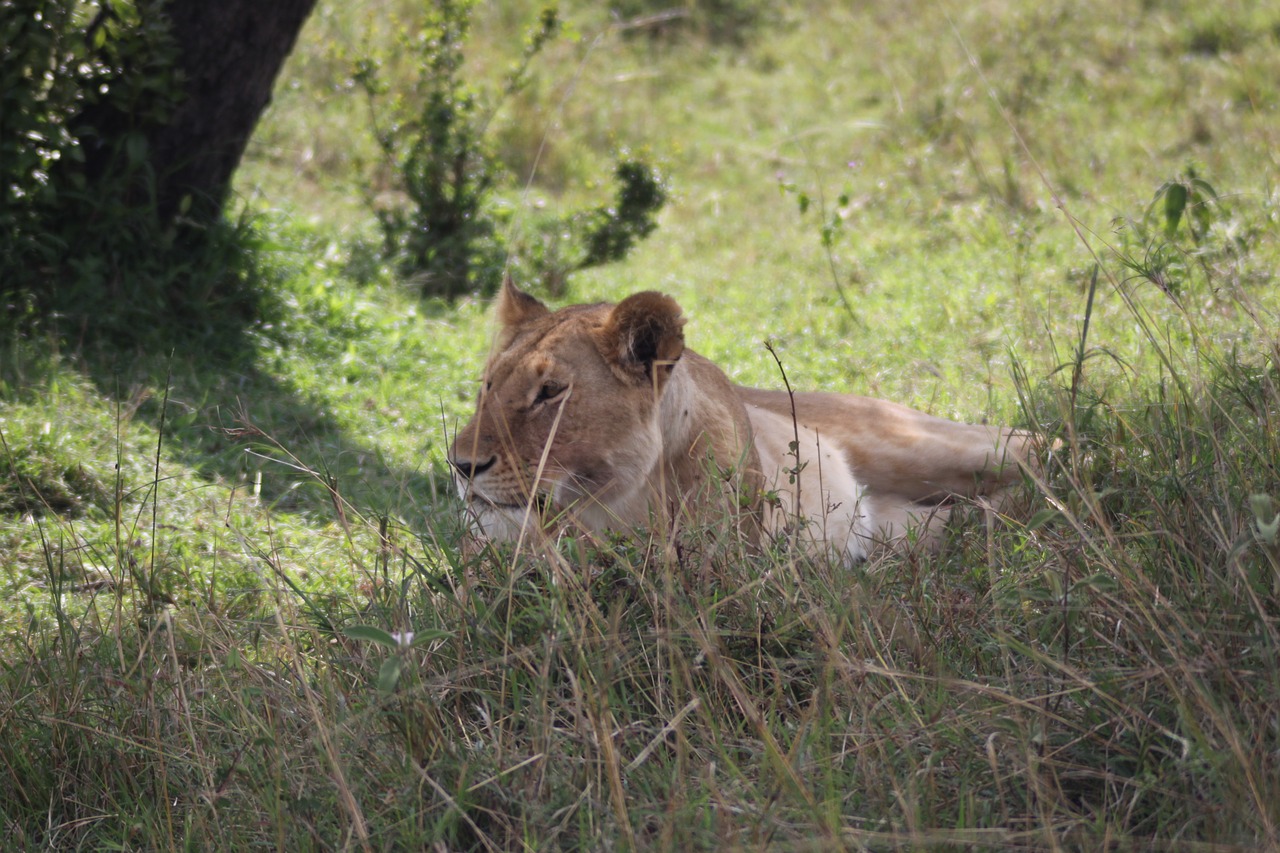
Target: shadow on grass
[188,365]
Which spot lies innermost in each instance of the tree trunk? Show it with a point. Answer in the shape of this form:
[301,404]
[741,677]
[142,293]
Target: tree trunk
[229,53]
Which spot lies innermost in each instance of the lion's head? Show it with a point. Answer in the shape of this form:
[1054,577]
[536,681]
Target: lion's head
[567,416]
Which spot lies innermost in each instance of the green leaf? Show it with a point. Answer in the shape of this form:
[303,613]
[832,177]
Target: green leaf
[135,145]
[1175,202]
[422,638]
[1262,507]
[1266,519]
[389,674]
[1043,517]
[1270,533]
[372,634]
[1099,582]
[1201,219]
[1204,187]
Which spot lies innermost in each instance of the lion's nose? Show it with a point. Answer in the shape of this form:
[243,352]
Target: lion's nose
[468,469]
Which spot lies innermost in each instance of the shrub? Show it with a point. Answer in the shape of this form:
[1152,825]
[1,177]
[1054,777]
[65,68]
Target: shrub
[434,139]
[80,238]
[555,247]
[451,237]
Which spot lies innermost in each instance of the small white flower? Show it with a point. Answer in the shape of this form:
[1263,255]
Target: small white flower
[403,639]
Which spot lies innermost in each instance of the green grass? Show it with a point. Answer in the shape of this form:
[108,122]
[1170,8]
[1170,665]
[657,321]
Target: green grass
[185,534]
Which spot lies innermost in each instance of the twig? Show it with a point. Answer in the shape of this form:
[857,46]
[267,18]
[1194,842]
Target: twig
[795,428]
[155,490]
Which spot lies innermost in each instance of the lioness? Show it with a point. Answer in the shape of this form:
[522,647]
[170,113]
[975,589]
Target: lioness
[599,417]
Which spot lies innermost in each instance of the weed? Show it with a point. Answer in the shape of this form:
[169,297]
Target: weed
[1190,195]
[207,600]
[437,140]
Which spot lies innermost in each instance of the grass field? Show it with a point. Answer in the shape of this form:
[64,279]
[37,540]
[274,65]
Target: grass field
[208,562]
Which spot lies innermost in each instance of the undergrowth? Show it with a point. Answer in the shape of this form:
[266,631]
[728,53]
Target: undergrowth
[238,611]
[1093,672]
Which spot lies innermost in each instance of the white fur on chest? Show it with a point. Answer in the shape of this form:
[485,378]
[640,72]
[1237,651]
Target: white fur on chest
[830,498]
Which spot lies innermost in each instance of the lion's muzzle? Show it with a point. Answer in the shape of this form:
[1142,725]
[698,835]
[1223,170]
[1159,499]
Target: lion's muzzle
[468,469]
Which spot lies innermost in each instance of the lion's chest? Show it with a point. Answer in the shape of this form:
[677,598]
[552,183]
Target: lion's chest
[809,478]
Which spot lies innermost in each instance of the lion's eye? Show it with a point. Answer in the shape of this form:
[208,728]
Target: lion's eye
[548,391]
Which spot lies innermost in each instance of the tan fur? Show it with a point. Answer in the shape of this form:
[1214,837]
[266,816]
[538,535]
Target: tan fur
[599,417]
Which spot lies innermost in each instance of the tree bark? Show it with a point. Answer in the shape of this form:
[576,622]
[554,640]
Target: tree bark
[231,52]
[228,53]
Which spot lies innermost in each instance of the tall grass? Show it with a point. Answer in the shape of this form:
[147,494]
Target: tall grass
[1098,673]
[211,565]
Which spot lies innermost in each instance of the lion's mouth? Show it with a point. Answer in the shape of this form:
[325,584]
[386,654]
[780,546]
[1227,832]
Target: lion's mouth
[541,503]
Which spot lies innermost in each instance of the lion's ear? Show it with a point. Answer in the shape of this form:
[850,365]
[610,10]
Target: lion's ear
[515,307]
[643,337]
